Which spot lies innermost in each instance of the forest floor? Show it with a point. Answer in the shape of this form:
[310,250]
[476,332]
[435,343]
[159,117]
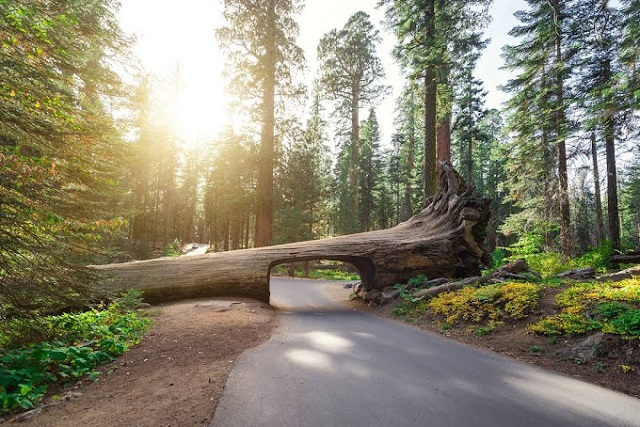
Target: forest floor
[176,375]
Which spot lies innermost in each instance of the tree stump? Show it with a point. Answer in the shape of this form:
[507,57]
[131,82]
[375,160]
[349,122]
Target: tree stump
[444,240]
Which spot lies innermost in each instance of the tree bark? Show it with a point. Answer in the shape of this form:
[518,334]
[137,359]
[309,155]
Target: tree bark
[612,182]
[429,167]
[560,125]
[264,187]
[444,240]
[354,175]
[598,197]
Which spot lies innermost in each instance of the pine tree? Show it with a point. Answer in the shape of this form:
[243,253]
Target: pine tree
[538,121]
[370,171]
[228,199]
[304,183]
[630,203]
[468,115]
[407,142]
[260,41]
[60,152]
[598,28]
[432,36]
[350,75]
[630,51]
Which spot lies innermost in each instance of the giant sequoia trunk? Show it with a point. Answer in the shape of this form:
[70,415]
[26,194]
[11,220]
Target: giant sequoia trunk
[444,240]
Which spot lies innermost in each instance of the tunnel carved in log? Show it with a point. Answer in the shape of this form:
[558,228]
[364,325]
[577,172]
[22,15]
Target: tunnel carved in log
[445,239]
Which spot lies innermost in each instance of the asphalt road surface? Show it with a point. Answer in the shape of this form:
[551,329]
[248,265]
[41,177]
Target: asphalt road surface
[331,366]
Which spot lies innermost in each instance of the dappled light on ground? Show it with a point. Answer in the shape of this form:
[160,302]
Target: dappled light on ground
[328,342]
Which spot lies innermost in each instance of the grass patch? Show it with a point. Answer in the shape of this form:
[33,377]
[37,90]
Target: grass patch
[332,275]
[317,273]
[75,344]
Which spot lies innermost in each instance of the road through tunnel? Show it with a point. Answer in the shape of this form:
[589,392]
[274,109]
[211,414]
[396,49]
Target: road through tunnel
[316,284]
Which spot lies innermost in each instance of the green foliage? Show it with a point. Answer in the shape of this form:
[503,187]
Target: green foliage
[417,281]
[564,323]
[408,305]
[492,303]
[498,258]
[172,249]
[333,275]
[61,155]
[318,273]
[549,264]
[598,258]
[130,300]
[76,344]
[481,331]
[618,318]
[612,308]
[350,75]
[529,243]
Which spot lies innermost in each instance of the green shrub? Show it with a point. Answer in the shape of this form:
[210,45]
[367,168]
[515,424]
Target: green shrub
[498,258]
[564,323]
[619,318]
[548,264]
[417,281]
[488,303]
[598,258]
[332,275]
[172,249]
[408,305]
[609,307]
[77,343]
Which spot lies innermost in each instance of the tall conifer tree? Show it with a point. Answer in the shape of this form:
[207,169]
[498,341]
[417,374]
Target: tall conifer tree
[260,40]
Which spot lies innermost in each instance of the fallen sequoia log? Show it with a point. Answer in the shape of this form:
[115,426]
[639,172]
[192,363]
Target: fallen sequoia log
[444,240]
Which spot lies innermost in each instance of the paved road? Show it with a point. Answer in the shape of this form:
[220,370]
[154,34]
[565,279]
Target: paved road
[331,366]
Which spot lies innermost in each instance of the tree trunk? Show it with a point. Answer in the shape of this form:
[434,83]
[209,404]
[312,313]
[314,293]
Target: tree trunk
[354,176]
[596,183]
[264,187]
[429,166]
[560,125]
[612,182]
[443,140]
[444,240]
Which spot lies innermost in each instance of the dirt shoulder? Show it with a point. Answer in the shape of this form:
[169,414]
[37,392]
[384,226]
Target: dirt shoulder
[176,375]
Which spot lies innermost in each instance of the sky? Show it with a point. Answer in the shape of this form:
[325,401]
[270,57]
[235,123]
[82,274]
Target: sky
[170,32]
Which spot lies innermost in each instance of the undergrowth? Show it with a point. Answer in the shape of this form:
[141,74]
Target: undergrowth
[487,304]
[550,264]
[75,344]
[610,307]
[326,274]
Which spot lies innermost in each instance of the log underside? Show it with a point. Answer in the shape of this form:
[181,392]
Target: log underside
[444,240]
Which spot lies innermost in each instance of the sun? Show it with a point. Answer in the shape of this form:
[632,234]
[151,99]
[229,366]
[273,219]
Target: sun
[200,110]
[197,109]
